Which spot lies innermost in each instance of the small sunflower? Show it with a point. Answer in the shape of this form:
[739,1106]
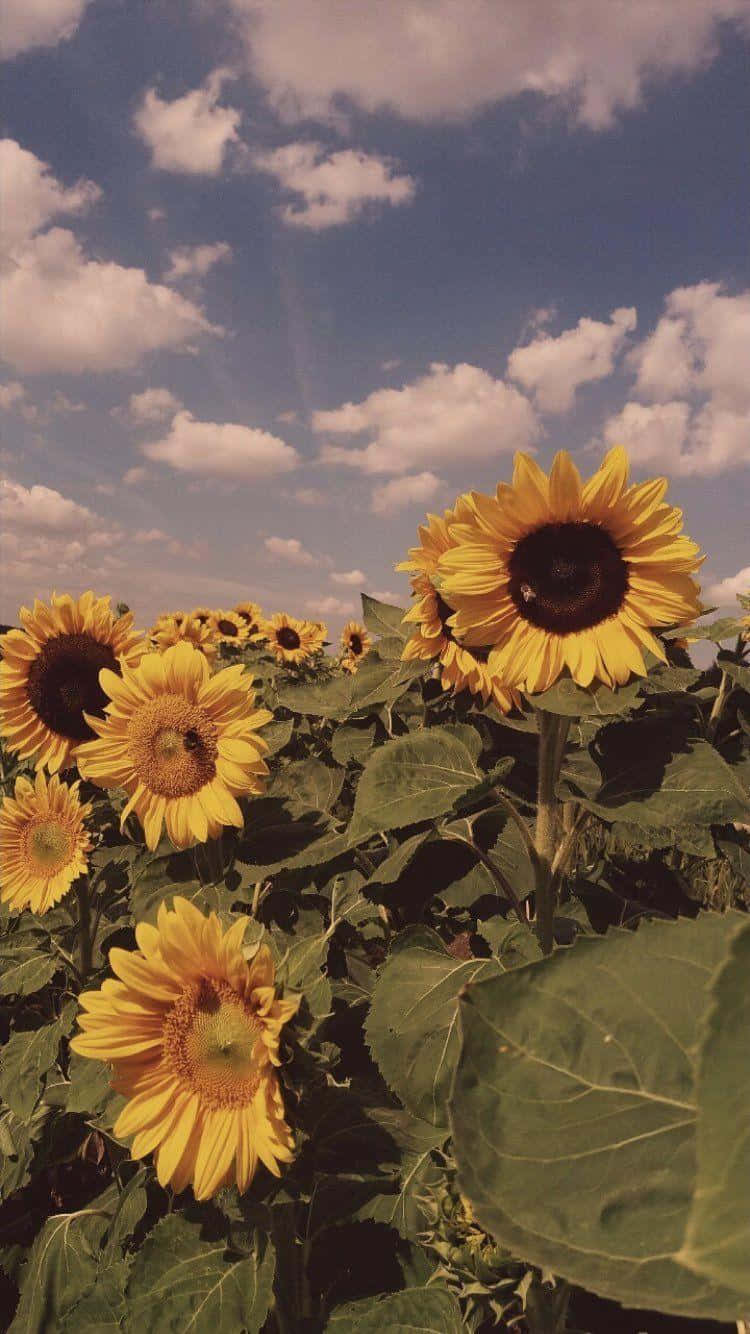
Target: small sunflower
[201,614]
[167,632]
[49,675]
[316,634]
[555,574]
[43,841]
[192,1032]
[292,641]
[460,667]
[228,627]
[355,639]
[183,744]
[251,614]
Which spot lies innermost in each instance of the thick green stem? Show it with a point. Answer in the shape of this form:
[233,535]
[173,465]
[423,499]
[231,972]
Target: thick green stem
[85,937]
[553,732]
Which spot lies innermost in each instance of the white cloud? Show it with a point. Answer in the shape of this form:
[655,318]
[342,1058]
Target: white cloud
[307,495]
[39,509]
[221,449]
[11,394]
[449,59]
[654,433]
[333,188]
[330,606]
[553,368]
[727,590]
[157,214]
[387,595]
[32,196]
[195,261]
[449,416]
[192,133]
[391,364]
[288,417]
[151,405]
[134,476]
[289,549]
[29,23]
[352,577]
[402,492]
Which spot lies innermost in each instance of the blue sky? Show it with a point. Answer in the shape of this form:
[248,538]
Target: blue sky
[279,278]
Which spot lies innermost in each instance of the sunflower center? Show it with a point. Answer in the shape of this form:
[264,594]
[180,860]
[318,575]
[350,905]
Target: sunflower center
[566,577]
[63,683]
[49,846]
[227,627]
[212,1040]
[173,746]
[355,645]
[248,619]
[202,618]
[287,637]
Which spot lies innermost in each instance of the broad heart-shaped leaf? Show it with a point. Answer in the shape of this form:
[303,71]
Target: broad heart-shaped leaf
[25,1060]
[382,618]
[24,970]
[412,778]
[61,1267]
[274,840]
[353,741]
[737,671]
[412,1025]
[180,1284]
[565,697]
[718,1233]
[375,683]
[717,631]
[574,1110]
[432,1310]
[308,785]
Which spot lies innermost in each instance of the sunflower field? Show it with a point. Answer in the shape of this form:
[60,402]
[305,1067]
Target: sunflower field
[395,984]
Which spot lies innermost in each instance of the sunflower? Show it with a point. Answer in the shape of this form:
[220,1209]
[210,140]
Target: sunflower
[557,574]
[183,744]
[460,668]
[251,614]
[167,632]
[355,639]
[49,675]
[201,614]
[316,634]
[43,841]
[192,1032]
[228,627]
[292,641]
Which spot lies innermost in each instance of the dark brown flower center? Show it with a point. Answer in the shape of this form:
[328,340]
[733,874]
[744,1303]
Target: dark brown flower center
[287,637]
[249,621]
[227,627]
[355,644]
[566,577]
[63,683]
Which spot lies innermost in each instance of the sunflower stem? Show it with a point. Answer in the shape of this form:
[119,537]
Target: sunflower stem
[85,936]
[553,732]
[725,689]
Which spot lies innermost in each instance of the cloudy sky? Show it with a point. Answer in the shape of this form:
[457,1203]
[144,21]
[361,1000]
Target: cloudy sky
[278,276]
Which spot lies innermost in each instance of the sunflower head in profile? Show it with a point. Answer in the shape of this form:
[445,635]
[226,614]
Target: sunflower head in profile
[560,575]
[192,1032]
[227,627]
[251,614]
[43,842]
[460,668]
[49,674]
[290,640]
[182,743]
[167,632]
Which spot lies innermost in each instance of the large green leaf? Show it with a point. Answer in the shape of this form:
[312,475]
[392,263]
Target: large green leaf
[412,778]
[573,701]
[61,1267]
[25,1060]
[375,683]
[308,785]
[574,1110]
[24,970]
[412,1025]
[430,1310]
[180,1284]
[718,1234]
[382,618]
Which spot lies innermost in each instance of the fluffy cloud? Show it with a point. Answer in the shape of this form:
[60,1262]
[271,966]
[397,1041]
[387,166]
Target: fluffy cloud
[330,606]
[192,133]
[39,509]
[402,492]
[221,449]
[195,261]
[12,393]
[134,476]
[727,590]
[289,549]
[152,405]
[30,23]
[354,578]
[32,195]
[307,495]
[451,58]
[448,416]
[553,368]
[333,188]
[652,433]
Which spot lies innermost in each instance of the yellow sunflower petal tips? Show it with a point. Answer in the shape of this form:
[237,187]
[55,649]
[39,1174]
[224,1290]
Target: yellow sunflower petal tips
[291,640]
[192,1031]
[228,627]
[182,743]
[43,842]
[557,575]
[168,631]
[49,674]
[251,614]
[355,645]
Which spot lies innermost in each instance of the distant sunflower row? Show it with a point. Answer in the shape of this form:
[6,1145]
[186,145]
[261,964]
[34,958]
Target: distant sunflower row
[289,639]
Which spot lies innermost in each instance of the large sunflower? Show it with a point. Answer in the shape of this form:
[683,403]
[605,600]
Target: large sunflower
[460,667]
[49,674]
[251,614]
[228,627]
[183,744]
[556,574]
[291,641]
[192,1032]
[43,842]
[167,632]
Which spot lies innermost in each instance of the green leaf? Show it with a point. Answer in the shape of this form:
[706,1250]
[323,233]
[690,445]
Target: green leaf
[302,971]
[275,841]
[25,1060]
[738,672]
[431,1310]
[102,1309]
[24,970]
[574,1110]
[17,1148]
[416,1140]
[61,1267]
[353,742]
[308,785]
[89,1091]
[717,1242]
[375,683]
[278,735]
[573,701]
[412,778]
[727,627]
[394,865]
[382,618]
[412,1025]
[180,1284]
